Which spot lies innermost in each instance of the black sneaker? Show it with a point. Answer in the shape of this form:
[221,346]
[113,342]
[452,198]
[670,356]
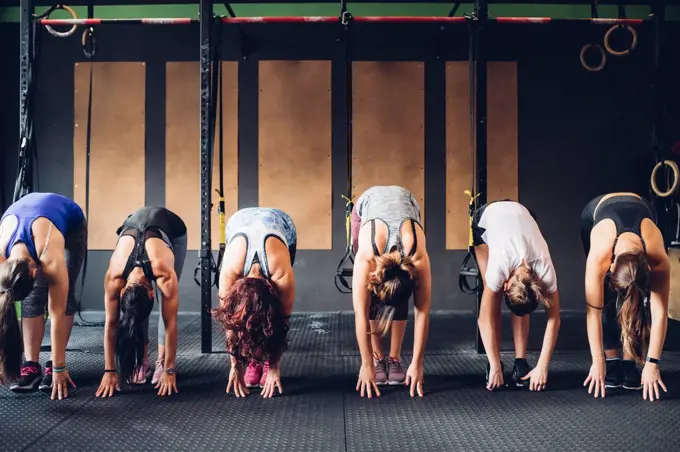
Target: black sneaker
[614,373]
[488,371]
[632,379]
[520,370]
[30,376]
[46,383]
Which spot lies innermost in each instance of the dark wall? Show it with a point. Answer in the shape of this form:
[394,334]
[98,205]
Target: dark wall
[580,133]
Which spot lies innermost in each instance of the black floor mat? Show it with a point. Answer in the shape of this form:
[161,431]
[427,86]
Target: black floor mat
[320,410]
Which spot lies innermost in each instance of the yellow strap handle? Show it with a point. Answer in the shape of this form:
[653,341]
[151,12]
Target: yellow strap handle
[223,220]
[471,214]
[348,218]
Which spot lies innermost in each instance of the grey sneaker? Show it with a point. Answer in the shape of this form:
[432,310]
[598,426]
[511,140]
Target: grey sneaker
[380,370]
[395,371]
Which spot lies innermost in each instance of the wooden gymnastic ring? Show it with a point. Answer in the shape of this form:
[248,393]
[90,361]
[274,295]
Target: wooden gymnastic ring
[676,178]
[63,34]
[608,35]
[583,58]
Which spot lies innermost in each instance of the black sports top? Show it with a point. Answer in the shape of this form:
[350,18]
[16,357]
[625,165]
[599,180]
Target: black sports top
[627,213]
[145,223]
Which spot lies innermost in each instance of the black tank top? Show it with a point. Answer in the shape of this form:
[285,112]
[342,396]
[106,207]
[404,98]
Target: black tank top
[145,223]
[627,213]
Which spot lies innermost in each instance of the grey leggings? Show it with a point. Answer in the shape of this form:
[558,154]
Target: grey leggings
[75,248]
[179,246]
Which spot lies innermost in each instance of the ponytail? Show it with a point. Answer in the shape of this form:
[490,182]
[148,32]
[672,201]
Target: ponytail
[390,284]
[630,280]
[136,305]
[16,282]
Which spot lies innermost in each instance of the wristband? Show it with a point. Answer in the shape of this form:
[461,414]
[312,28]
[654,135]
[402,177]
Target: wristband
[108,371]
[58,369]
[170,371]
[649,359]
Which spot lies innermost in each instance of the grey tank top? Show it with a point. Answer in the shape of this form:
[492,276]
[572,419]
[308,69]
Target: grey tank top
[256,225]
[393,205]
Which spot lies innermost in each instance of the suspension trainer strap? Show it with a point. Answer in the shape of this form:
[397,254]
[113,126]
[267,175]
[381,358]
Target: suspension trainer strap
[88,45]
[466,270]
[220,192]
[345,268]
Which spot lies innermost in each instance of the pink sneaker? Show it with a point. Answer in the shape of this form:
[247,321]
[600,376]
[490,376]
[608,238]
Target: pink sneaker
[158,373]
[265,371]
[140,376]
[395,371]
[253,375]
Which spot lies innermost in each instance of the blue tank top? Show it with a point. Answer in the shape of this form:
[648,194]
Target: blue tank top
[63,212]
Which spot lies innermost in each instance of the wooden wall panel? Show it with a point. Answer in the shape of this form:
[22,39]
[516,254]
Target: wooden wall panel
[295,146]
[388,127]
[182,148]
[502,143]
[117,174]
[458,158]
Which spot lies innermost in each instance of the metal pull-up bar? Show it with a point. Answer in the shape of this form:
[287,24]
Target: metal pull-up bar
[332,19]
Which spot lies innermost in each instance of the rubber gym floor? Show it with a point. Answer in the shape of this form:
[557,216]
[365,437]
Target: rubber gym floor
[320,410]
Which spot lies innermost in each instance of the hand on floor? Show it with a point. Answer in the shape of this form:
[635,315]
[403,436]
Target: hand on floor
[367,381]
[495,378]
[60,382]
[414,377]
[539,378]
[273,382]
[651,380]
[167,384]
[110,384]
[236,379]
[595,380]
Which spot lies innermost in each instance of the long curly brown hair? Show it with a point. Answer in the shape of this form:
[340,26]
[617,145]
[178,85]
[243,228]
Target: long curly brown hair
[252,310]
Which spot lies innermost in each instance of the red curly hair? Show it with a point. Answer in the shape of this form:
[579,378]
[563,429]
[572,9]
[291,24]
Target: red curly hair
[252,310]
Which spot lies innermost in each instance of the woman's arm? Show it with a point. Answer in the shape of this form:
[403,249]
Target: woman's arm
[552,329]
[112,288]
[489,311]
[658,303]
[361,300]
[596,270]
[422,301]
[168,286]
[286,287]
[54,270]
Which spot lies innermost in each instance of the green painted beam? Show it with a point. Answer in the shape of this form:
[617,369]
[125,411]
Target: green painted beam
[363,9]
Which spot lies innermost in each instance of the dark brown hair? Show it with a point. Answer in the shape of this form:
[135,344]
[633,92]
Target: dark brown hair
[391,283]
[252,310]
[16,282]
[526,291]
[630,279]
[136,305]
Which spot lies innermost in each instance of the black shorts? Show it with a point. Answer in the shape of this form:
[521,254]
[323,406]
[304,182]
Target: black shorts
[478,231]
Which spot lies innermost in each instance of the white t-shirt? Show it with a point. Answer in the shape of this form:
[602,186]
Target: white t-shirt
[512,235]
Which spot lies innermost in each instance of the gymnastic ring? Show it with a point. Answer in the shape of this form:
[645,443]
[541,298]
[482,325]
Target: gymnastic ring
[676,178]
[64,34]
[88,32]
[583,58]
[608,35]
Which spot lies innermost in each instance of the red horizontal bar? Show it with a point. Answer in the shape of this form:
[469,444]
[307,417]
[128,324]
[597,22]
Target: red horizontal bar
[302,19]
[156,21]
[280,20]
[394,19]
[522,20]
